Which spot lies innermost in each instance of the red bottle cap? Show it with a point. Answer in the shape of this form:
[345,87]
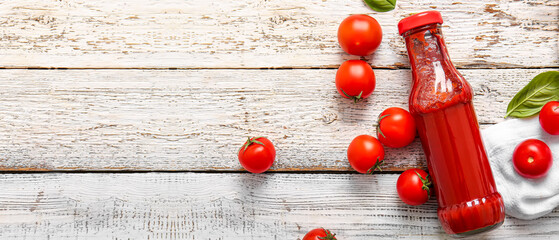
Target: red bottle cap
[418,20]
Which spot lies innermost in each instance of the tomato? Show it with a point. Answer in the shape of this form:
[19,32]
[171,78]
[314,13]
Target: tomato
[413,186]
[365,154]
[396,127]
[532,158]
[257,154]
[359,35]
[355,79]
[549,117]
[319,234]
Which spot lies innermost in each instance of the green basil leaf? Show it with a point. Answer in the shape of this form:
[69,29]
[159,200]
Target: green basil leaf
[530,100]
[381,5]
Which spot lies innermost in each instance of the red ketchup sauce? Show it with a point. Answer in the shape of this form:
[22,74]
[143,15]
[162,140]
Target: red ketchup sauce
[441,103]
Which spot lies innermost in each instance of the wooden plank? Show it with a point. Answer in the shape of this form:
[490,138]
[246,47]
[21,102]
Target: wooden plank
[223,206]
[261,34]
[197,119]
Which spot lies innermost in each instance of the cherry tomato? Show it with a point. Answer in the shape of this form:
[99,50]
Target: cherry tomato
[359,35]
[549,117]
[355,79]
[257,154]
[365,154]
[319,234]
[396,127]
[414,186]
[532,158]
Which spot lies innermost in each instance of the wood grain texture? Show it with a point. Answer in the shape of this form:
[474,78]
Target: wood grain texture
[197,119]
[223,206]
[262,33]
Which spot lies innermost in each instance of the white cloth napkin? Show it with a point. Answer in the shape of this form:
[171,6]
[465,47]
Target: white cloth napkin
[524,198]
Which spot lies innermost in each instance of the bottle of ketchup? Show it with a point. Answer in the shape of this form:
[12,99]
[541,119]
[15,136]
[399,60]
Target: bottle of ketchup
[441,103]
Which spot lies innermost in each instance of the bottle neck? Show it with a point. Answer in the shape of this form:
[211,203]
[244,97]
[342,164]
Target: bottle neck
[436,82]
[427,52]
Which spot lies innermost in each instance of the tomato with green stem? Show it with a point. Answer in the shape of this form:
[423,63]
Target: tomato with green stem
[257,154]
[365,154]
[549,117]
[414,186]
[355,79]
[396,127]
[319,234]
[532,159]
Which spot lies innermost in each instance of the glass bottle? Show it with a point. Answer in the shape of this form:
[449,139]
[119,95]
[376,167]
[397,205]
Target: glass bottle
[441,103]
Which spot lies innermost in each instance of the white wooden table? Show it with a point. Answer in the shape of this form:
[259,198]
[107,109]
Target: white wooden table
[121,119]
